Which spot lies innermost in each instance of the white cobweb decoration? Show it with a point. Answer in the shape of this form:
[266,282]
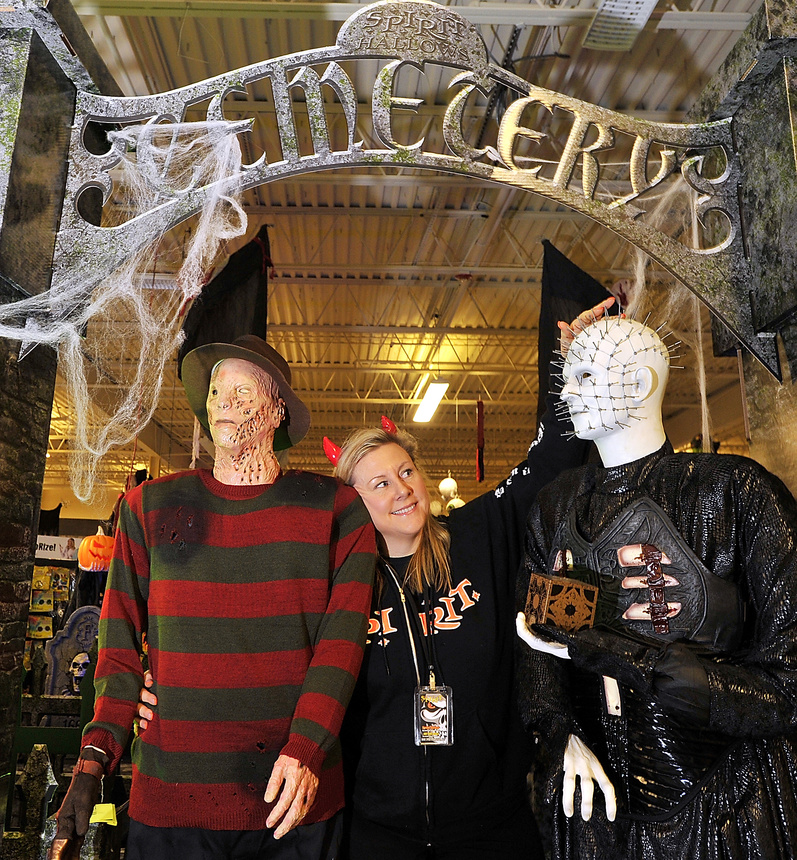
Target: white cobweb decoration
[671,303]
[123,324]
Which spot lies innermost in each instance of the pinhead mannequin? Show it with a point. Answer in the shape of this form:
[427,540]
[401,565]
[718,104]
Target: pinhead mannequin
[615,375]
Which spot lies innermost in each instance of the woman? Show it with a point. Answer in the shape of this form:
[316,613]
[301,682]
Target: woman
[463,793]
[468,798]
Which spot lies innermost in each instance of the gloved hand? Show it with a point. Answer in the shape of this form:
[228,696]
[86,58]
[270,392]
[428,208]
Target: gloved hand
[75,812]
[680,683]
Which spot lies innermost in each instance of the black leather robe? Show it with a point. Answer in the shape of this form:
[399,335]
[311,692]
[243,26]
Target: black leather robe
[719,783]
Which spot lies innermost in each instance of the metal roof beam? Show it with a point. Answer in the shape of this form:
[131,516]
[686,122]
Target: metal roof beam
[424,275]
[486,14]
[326,332]
[419,212]
[332,274]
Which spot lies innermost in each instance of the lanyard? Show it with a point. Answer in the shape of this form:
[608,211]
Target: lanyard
[430,653]
[427,642]
[433,711]
[407,620]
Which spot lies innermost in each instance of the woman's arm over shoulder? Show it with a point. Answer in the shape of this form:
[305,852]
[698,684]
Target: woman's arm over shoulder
[555,448]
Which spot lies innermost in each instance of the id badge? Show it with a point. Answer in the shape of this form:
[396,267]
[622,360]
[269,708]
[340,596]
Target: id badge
[434,724]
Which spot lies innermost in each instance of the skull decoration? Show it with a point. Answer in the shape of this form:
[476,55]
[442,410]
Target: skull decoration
[77,670]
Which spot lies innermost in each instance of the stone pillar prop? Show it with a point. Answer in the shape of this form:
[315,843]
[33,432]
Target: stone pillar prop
[40,77]
[37,785]
[757,85]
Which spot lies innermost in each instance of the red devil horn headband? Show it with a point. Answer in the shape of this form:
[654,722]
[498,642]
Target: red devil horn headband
[332,451]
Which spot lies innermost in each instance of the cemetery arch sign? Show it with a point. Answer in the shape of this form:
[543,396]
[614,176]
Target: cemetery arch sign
[419,33]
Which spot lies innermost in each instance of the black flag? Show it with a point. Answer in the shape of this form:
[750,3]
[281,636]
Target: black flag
[234,303]
[566,291]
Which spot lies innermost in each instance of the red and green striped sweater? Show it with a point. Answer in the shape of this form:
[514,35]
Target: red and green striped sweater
[255,602]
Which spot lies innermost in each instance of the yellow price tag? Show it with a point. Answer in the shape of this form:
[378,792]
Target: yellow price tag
[104,813]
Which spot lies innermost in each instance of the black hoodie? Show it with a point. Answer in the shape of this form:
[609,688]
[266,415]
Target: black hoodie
[444,793]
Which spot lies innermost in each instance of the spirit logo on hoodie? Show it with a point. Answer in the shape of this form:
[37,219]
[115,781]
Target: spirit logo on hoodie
[447,613]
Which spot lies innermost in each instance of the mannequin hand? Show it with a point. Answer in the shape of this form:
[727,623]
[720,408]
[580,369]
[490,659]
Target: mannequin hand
[298,793]
[75,812]
[568,333]
[556,649]
[581,762]
[145,698]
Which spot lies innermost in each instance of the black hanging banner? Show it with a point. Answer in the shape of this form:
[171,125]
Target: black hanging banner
[234,303]
[566,291]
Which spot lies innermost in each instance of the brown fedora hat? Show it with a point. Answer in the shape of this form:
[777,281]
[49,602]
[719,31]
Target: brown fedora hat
[199,363]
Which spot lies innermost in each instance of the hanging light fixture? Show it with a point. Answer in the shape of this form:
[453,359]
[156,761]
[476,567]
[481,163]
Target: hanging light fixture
[431,400]
[448,487]
[419,387]
[617,23]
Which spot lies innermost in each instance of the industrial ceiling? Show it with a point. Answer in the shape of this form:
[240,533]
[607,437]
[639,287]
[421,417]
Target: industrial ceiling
[382,275]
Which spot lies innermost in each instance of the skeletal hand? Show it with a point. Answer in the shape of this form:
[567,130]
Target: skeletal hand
[581,762]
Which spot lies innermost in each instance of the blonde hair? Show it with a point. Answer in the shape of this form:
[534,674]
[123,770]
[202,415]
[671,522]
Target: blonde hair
[430,563]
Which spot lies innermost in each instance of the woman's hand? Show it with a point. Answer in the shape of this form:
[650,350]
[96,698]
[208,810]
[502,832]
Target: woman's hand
[145,698]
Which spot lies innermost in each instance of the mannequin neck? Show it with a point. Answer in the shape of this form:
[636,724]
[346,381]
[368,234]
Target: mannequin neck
[251,464]
[621,448]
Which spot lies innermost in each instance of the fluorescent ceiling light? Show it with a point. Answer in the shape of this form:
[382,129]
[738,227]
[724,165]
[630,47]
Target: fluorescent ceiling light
[431,400]
[419,387]
[617,23]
